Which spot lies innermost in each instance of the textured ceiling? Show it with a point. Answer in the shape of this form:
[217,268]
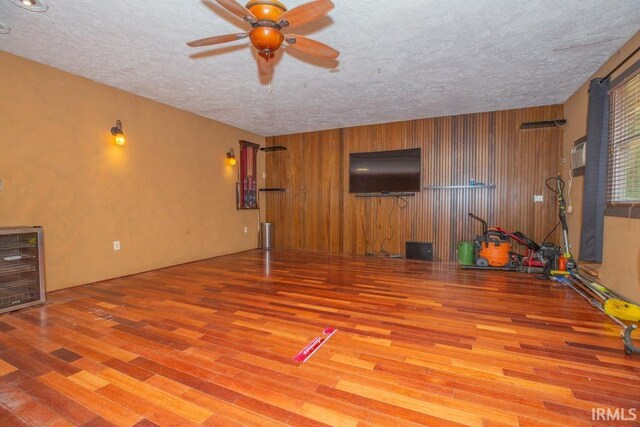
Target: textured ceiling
[399,60]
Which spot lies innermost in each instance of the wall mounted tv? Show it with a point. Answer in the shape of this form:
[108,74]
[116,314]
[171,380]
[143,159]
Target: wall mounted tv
[385,172]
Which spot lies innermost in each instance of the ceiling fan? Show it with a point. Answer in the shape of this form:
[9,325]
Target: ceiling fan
[268,20]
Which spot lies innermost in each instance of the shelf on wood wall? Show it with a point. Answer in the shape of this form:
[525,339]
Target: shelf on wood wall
[454,187]
[271,149]
[385,194]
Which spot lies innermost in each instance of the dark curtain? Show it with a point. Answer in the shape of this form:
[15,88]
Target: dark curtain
[595,173]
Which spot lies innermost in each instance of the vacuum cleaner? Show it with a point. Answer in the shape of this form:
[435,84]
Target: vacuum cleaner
[492,248]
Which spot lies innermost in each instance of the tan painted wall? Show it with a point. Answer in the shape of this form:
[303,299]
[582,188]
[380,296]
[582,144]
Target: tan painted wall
[167,195]
[620,269]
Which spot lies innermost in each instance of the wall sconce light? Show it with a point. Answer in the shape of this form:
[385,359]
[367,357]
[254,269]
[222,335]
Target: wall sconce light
[117,132]
[232,157]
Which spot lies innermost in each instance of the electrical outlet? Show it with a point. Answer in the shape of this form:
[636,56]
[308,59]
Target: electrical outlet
[116,245]
[538,198]
[264,175]
[246,230]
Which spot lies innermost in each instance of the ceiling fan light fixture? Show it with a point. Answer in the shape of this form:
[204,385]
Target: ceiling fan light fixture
[266,39]
[32,5]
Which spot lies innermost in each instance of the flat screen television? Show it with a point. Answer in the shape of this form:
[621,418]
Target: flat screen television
[384,172]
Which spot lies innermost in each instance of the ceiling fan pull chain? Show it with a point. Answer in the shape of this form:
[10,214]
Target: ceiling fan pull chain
[269,65]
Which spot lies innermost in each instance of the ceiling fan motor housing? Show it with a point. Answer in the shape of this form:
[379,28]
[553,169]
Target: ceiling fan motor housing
[266,35]
[267,10]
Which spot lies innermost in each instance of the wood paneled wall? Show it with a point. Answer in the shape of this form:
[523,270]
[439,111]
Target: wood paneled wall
[317,213]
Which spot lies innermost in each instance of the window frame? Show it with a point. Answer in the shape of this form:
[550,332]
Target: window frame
[621,210]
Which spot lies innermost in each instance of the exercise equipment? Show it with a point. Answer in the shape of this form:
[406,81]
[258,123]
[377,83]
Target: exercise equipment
[609,302]
[622,309]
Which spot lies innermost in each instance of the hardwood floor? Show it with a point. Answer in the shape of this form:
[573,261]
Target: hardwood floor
[212,343]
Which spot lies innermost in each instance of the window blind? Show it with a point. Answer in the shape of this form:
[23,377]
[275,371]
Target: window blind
[623,183]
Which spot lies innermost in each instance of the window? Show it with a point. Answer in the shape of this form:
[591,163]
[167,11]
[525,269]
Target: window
[623,186]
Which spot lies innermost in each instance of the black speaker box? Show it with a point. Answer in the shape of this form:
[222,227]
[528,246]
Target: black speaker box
[419,250]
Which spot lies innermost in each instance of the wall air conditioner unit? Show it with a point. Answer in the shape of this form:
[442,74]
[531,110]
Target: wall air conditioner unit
[579,155]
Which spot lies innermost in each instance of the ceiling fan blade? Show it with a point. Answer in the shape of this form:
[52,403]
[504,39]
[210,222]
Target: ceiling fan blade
[305,13]
[311,47]
[217,39]
[238,10]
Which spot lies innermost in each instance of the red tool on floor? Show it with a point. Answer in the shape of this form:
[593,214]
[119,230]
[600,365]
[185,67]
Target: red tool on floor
[314,346]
